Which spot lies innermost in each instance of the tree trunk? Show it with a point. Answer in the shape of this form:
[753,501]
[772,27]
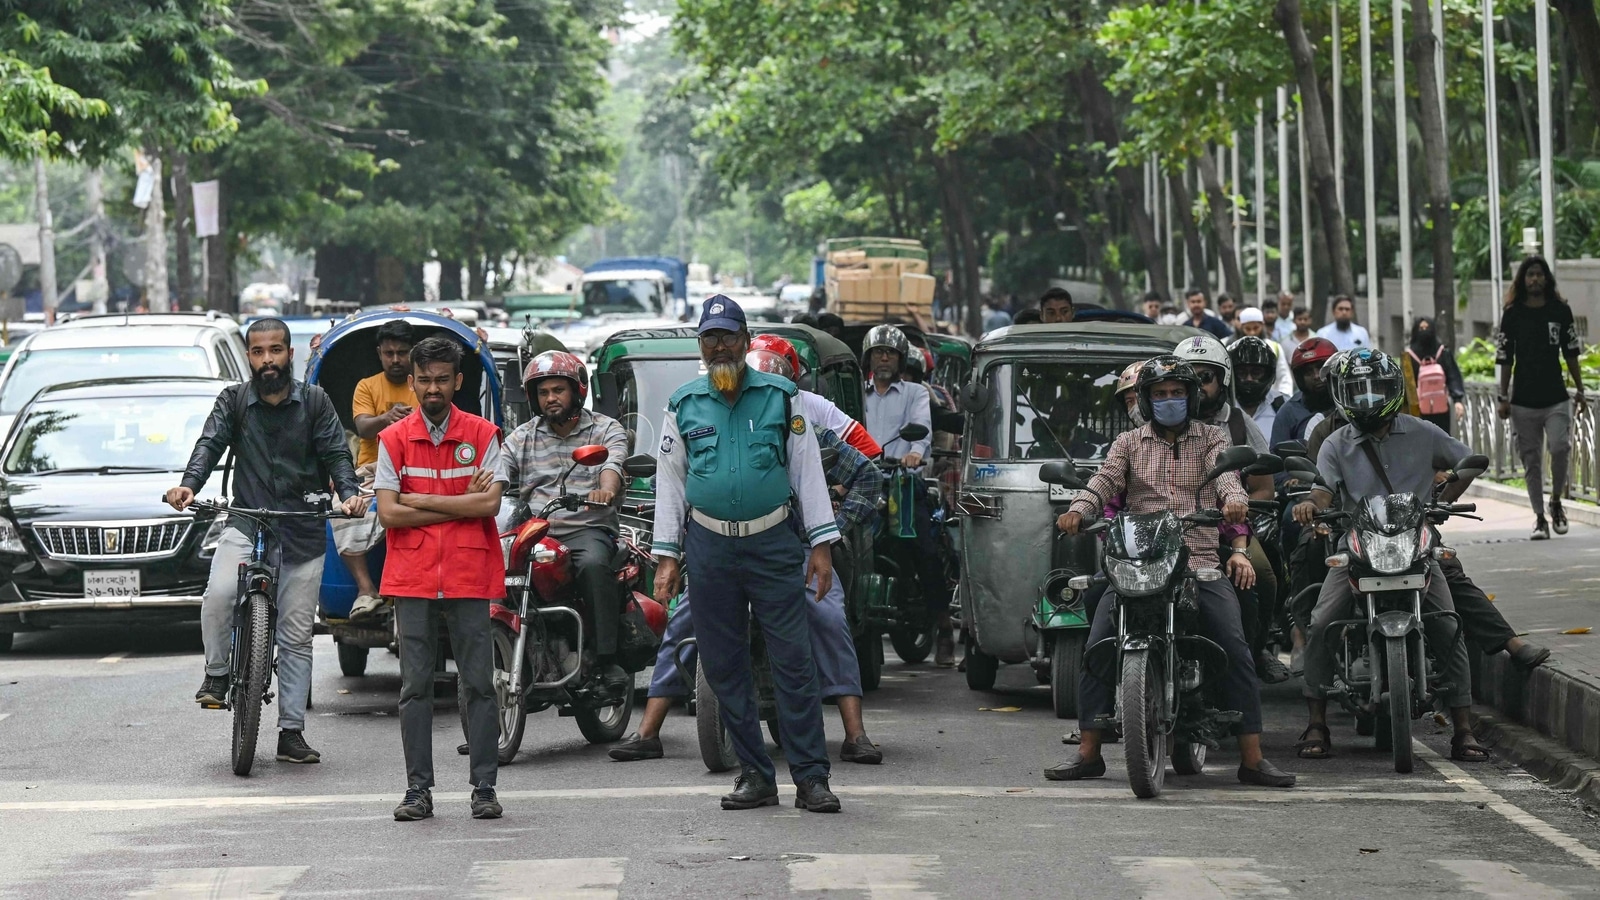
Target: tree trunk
[1584,27]
[474,286]
[219,250]
[1324,181]
[47,238]
[449,279]
[183,222]
[966,236]
[95,193]
[1436,164]
[155,243]
[1183,209]
[1103,124]
[1222,225]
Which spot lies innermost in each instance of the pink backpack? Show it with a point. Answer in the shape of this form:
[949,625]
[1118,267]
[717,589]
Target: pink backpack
[1433,397]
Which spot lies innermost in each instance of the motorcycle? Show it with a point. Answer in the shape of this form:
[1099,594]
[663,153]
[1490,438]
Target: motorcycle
[894,595]
[1383,672]
[543,653]
[1162,668]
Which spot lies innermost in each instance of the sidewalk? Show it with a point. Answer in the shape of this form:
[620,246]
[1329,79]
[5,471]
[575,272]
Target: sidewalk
[1543,588]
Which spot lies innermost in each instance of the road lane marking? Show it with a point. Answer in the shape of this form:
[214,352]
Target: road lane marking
[1513,813]
[598,878]
[1202,796]
[1198,878]
[884,876]
[4,716]
[116,657]
[228,883]
[1499,880]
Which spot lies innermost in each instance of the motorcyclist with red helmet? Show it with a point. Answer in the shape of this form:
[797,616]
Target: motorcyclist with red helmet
[531,464]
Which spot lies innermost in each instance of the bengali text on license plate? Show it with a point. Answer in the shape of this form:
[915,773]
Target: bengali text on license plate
[111,583]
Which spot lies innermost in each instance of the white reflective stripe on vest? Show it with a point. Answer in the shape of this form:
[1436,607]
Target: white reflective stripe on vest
[420,472]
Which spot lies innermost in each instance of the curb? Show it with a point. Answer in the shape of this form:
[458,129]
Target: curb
[1483,489]
[1549,761]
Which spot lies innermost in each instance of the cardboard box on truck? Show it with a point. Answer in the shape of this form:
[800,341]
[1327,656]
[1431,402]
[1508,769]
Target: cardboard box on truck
[916,290]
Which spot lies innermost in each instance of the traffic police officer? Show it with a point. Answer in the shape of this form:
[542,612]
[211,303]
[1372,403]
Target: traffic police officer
[733,450]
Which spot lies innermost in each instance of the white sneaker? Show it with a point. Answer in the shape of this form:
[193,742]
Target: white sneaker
[365,605]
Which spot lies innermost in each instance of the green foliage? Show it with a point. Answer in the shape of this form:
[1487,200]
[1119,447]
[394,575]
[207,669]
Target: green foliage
[1477,361]
[1577,195]
[28,101]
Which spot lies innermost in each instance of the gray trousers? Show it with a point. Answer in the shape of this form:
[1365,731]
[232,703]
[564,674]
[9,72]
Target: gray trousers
[1536,427]
[471,640]
[1337,601]
[298,585]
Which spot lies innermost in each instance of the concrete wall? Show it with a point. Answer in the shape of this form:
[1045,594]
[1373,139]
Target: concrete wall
[1579,280]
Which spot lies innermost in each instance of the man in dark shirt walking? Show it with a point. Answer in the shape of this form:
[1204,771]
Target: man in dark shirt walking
[1536,332]
[287,442]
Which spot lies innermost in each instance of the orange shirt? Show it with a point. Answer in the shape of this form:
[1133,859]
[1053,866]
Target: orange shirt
[373,397]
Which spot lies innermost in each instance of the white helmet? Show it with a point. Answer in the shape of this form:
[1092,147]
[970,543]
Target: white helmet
[1205,350]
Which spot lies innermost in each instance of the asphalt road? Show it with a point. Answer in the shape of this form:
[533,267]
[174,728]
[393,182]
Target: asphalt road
[112,783]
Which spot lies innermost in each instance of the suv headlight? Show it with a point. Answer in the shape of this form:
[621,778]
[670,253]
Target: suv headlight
[11,538]
[219,526]
[1390,555]
[1135,577]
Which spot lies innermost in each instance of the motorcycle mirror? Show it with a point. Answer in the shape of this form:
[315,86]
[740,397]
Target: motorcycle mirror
[1062,473]
[975,395]
[1290,448]
[1265,464]
[1472,466]
[590,455]
[1232,460]
[913,432]
[642,465]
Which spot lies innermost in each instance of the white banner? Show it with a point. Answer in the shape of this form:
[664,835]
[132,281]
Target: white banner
[206,199]
[144,188]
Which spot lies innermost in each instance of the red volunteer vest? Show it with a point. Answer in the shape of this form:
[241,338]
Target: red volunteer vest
[459,560]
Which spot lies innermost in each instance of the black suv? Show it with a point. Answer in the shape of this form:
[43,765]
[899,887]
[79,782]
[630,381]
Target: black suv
[84,536]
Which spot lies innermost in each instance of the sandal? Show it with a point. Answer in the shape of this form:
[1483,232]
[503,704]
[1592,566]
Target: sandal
[1465,748]
[1315,748]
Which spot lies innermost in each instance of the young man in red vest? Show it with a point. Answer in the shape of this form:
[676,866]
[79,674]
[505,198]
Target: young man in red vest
[437,498]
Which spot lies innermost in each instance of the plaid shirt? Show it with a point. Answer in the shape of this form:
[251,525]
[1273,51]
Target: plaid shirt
[534,458]
[863,483]
[1160,476]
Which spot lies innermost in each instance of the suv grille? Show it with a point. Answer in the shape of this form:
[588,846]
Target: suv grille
[113,540]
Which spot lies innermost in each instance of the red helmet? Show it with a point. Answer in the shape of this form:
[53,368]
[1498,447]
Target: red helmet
[1314,351]
[655,615]
[779,346]
[557,364]
[770,361]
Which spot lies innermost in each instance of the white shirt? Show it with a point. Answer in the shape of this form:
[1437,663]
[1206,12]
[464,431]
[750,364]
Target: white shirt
[1282,328]
[1267,412]
[822,413]
[1346,340]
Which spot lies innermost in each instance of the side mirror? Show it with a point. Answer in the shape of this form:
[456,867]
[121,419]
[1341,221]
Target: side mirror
[1472,466]
[1231,460]
[1265,464]
[913,432]
[1062,473]
[1290,448]
[590,455]
[975,395]
[642,465]
[1300,468]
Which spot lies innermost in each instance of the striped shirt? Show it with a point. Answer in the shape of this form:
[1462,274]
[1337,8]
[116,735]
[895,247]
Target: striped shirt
[1160,476]
[535,457]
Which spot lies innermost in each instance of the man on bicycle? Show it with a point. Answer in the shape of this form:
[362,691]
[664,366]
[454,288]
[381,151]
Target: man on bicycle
[287,442]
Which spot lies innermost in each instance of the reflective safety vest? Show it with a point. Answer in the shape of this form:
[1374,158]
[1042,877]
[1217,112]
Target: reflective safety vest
[456,560]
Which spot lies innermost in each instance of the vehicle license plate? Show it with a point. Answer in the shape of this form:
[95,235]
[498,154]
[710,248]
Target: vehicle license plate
[110,583]
[1392,583]
[1063,494]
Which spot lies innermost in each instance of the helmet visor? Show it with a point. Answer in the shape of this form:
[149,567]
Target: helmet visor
[770,362]
[1366,393]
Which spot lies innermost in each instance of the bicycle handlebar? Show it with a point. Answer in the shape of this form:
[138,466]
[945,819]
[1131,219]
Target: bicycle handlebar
[252,513]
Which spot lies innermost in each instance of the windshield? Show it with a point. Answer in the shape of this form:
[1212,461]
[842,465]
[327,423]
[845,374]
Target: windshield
[629,296]
[120,432]
[37,369]
[643,388]
[1050,410]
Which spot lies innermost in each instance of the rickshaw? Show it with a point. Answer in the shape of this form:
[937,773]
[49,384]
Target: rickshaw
[347,354]
[1038,393]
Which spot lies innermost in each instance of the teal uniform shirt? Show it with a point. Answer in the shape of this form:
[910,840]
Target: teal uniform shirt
[736,459]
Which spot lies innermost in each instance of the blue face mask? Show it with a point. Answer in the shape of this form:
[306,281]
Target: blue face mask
[1171,412]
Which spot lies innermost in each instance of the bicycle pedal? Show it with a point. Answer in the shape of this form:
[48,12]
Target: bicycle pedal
[214,706]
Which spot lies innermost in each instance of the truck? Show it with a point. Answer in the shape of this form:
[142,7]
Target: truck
[636,284]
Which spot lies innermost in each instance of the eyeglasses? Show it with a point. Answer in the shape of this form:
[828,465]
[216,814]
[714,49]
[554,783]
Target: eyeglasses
[729,339]
[1207,377]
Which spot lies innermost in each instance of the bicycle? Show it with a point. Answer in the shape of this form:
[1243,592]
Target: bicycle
[254,624]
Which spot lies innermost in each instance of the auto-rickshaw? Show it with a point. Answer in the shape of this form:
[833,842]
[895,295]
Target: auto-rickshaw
[1038,393]
[347,354]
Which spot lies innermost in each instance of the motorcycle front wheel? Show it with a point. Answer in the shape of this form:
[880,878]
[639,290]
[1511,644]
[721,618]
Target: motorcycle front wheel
[510,711]
[1142,695]
[1399,704]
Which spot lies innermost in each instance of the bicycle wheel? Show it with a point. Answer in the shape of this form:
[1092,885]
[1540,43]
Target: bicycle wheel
[250,693]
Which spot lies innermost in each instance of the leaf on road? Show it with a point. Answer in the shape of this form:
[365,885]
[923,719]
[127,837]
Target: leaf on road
[1000,709]
[1367,850]
[1584,630]
[1490,596]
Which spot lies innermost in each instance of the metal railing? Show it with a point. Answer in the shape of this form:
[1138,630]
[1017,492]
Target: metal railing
[1487,433]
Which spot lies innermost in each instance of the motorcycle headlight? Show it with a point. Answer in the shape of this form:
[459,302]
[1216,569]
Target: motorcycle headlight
[214,532]
[11,538]
[1390,554]
[1132,578]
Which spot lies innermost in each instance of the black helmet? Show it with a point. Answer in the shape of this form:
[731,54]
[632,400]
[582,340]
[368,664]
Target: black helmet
[1167,368]
[1252,351]
[1368,386]
[886,337]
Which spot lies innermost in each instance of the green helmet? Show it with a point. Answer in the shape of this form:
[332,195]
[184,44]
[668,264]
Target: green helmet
[1368,386]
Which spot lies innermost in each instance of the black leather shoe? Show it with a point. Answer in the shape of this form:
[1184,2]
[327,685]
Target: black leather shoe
[812,795]
[861,750]
[750,791]
[1077,770]
[1266,775]
[1529,656]
[634,747]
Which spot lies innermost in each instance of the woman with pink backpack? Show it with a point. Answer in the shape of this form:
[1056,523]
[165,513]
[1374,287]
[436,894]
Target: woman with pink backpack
[1433,380]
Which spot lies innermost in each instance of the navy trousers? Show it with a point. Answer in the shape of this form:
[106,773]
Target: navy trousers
[763,575]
